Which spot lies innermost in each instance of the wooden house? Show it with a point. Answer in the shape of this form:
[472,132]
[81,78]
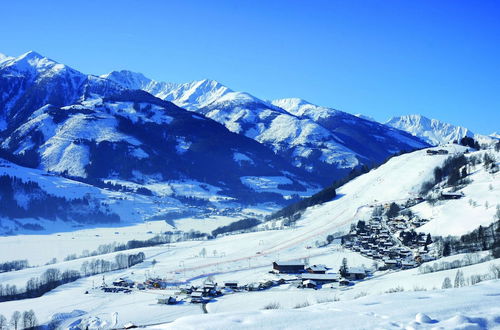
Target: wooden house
[451,195]
[197,297]
[321,278]
[231,284]
[290,267]
[316,269]
[355,273]
[164,300]
[309,284]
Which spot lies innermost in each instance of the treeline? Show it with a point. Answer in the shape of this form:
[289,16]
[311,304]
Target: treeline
[53,277]
[164,238]
[468,260]
[323,196]
[452,171]
[480,239]
[13,265]
[461,280]
[18,320]
[236,226]
[37,203]
[470,142]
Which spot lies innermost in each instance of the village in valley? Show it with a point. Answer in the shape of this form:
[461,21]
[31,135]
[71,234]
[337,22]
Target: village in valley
[388,237]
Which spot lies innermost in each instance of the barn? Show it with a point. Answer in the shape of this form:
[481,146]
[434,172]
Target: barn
[317,269]
[288,267]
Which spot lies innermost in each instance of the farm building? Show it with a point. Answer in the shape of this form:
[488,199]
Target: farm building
[321,278]
[310,284]
[197,297]
[355,273]
[288,266]
[231,284]
[316,269]
[164,300]
[450,195]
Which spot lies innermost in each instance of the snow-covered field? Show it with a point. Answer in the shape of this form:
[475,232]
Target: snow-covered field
[247,258]
[463,308]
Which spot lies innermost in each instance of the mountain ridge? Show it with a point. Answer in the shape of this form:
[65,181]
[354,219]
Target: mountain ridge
[434,131]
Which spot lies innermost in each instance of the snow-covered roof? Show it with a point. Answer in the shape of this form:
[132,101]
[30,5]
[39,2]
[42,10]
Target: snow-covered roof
[320,277]
[318,268]
[289,263]
[356,270]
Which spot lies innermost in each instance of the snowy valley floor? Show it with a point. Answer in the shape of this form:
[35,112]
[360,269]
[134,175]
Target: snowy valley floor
[476,307]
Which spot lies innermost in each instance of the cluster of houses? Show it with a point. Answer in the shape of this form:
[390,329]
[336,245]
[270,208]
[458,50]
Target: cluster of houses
[404,223]
[314,276]
[202,294]
[374,240]
[305,276]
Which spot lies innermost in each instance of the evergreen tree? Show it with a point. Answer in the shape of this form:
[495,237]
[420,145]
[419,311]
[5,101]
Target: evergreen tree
[344,268]
[446,249]
[428,240]
[464,172]
[393,210]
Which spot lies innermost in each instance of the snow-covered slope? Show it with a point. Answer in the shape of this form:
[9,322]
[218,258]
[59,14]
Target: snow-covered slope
[247,258]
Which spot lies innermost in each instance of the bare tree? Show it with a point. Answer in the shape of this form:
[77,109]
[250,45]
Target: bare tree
[203,252]
[446,283]
[3,322]
[29,319]
[85,268]
[121,261]
[459,279]
[14,320]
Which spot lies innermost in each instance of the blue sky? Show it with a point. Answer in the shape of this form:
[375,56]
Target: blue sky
[380,58]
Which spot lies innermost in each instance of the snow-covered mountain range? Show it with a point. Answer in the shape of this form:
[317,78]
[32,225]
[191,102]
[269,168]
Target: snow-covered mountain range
[320,140]
[92,130]
[433,131]
[127,132]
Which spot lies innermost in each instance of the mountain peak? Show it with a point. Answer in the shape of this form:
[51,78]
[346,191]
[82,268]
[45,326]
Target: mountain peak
[128,79]
[30,55]
[300,107]
[4,57]
[33,62]
[432,131]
